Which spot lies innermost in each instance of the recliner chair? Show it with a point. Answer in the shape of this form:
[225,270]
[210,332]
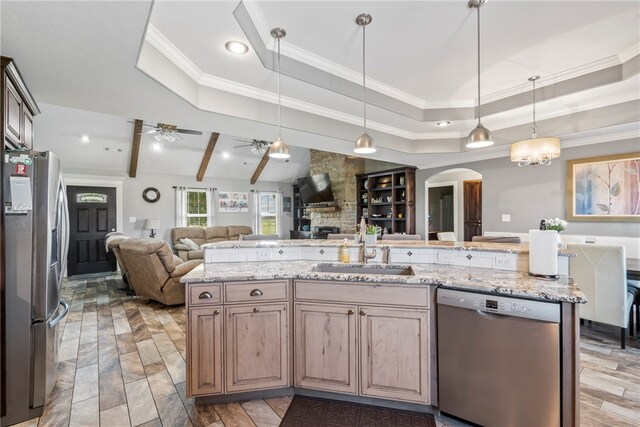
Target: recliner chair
[153,271]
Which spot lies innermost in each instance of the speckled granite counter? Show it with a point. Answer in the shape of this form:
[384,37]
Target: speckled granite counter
[514,248]
[502,282]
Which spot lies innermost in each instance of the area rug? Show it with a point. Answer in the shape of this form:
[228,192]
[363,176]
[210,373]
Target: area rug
[315,412]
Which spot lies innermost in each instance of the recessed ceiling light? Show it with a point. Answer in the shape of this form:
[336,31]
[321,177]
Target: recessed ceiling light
[236,47]
[225,155]
[156,146]
[443,123]
[85,138]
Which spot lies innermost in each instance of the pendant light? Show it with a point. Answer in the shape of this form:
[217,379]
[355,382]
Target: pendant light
[279,149]
[535,151]
[364,143]
[480,136]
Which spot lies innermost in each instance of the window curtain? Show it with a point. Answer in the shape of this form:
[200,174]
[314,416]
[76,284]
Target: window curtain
[279,215]
[212,206]
[181,207]
[255,211]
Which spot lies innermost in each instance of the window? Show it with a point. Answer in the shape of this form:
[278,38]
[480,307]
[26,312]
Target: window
[197,208]
[268,211]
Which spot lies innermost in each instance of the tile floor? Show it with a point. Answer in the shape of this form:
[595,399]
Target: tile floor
[123,364]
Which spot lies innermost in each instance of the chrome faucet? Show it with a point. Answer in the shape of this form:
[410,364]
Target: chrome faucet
[367,255]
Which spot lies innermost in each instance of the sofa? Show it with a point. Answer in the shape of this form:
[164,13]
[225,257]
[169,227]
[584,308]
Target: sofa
[154,271]
[202,235]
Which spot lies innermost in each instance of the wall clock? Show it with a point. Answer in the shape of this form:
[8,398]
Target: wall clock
[151,195]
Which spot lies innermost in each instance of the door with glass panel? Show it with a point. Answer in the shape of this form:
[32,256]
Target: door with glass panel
[92,214]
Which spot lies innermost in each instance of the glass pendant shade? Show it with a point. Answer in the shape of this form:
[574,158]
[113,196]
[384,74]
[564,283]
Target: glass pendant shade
[479,137]
[536,151]
[279,149]
[364,144]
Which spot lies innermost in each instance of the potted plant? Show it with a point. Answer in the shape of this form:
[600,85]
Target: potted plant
[556,224]
[371,234]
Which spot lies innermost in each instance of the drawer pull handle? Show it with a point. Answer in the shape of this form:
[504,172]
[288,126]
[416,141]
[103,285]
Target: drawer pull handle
[216,312]
[350,312]
[280,251]
[256,293]
[256,309]
[469,256]
[363,313]
[205,295]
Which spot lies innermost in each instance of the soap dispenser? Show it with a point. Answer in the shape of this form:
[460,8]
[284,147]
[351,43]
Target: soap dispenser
[345,256]
[363,229]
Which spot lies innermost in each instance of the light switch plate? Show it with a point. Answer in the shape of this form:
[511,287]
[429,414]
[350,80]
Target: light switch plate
[506,218]
[132,219]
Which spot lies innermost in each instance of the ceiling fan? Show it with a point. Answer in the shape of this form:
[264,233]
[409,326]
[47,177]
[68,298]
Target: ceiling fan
[167,132]
[258,146]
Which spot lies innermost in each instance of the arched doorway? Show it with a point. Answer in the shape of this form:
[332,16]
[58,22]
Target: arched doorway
[453,203]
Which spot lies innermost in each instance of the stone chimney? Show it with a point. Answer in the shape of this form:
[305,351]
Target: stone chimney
[342,172]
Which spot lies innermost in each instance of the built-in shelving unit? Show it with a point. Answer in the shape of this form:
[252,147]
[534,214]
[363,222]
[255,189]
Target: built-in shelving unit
[300,213]
[387,199]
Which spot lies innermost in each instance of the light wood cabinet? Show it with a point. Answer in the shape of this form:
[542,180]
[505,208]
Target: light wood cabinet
[371,349]
[326,347]
[394,353]
[239,347]
[204,351]
[257,350]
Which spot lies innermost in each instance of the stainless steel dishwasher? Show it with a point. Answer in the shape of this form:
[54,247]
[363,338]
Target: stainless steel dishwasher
[498,359]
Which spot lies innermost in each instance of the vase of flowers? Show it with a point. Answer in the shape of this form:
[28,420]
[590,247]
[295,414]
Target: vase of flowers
[558,225]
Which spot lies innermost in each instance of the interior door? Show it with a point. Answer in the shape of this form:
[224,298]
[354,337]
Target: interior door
[92,214]
[472,209]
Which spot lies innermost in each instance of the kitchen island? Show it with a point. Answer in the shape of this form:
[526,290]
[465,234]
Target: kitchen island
[349,331]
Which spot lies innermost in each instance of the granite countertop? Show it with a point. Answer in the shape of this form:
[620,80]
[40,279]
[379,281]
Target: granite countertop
[513,248]
[501,282]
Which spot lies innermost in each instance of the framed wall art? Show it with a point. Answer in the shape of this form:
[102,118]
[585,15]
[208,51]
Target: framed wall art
[605,188]
[233,201]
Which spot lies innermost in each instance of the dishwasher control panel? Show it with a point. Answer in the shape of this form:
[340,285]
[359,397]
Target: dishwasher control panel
[509,306]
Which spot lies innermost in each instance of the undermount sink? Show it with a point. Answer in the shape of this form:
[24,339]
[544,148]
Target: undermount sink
[387,270]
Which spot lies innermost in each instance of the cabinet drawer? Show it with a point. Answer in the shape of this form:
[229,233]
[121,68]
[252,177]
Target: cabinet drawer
[255,291]
[204,294]
[410,295]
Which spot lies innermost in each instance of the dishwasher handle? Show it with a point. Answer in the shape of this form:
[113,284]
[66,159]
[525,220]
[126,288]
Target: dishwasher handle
[492,316]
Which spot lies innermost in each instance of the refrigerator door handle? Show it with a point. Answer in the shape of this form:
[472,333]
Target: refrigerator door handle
[65,226]
[65,310]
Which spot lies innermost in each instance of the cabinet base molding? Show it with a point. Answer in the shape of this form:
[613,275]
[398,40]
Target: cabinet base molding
[394,404]
[249,395]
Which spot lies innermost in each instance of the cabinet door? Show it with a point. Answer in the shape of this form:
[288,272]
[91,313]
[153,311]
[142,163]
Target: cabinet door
[13,113]
[325,347]
[27,131]
[257,352]
[204,351]
[394,347]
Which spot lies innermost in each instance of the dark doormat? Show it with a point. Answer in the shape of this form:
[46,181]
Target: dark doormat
[314,412]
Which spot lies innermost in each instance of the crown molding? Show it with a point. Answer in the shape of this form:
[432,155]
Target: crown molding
[632,52]
[171,52]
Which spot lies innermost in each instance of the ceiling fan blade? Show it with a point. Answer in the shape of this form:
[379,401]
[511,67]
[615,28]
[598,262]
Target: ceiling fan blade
[150,131]
[242,140]
[189,131]
[243,145]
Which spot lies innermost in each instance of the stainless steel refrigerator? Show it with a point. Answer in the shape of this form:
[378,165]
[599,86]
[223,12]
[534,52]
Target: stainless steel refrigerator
[36,224]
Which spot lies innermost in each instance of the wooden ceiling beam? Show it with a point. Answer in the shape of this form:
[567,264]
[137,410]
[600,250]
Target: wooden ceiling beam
[207,156]
[260,168]
[135,148]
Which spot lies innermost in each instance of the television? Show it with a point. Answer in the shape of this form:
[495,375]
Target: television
[315,189]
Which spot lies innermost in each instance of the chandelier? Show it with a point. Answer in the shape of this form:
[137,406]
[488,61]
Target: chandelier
[535,151]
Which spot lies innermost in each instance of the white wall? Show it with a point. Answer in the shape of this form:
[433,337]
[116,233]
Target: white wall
[531,193]
[134,206]
[458,176]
